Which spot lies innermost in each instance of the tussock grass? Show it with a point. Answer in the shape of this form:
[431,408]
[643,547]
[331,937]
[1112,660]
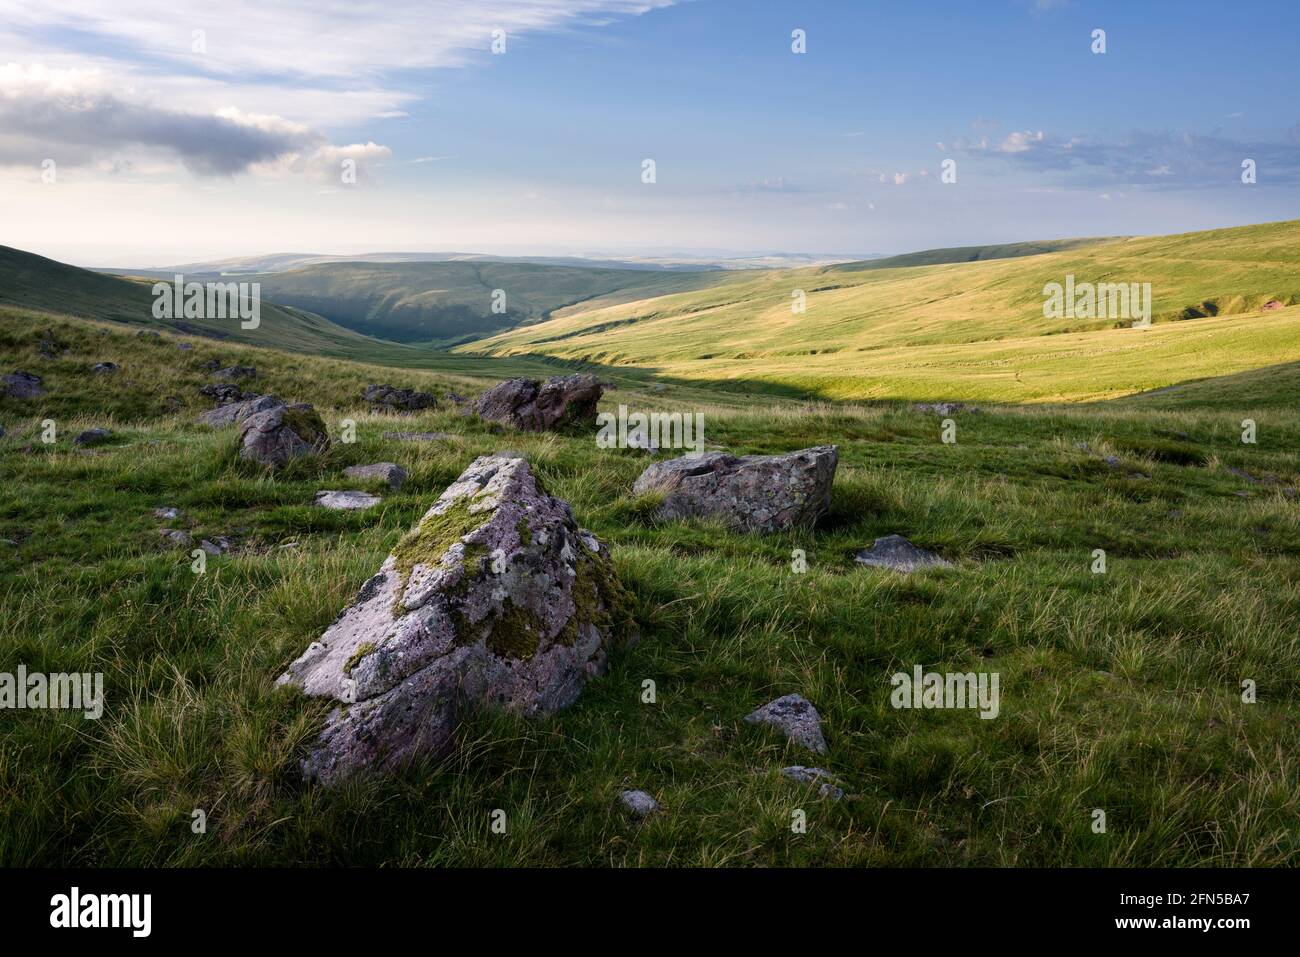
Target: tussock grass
[1119,691]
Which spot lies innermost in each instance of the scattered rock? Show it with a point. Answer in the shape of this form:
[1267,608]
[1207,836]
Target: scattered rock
[275,436]
[534,406]
[639,803]
[148,334]
[455,399]
[169,514]
[818,776]
[896,552]
[105,368]
[184,346]
[346,501]
[417,436]
[215,547]
[22,385]
[176,537]
[944,408]
[226,394]
[1243,474]
[753,493]
[239,411]
[391,398]
[388,472]
[1271,306]
[235,373]
[92,437]
[438,630]
[797,719]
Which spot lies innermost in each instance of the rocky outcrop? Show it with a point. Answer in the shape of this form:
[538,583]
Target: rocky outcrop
[530,405]
[896,552]
[22,385]
[285,432]
[404,400]
[497,599]
[752,493]
[796,717]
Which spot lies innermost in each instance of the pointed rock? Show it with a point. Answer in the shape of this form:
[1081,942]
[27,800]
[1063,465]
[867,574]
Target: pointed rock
[497,598]
[796,717]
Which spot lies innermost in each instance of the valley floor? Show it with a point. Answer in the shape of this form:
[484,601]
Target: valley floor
[1121,690]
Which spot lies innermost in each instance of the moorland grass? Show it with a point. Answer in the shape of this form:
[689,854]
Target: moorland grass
[1119,691]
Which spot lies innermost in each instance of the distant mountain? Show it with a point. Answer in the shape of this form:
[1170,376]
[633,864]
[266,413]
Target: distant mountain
[676,262]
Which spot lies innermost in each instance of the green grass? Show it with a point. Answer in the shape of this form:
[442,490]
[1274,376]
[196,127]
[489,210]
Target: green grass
[974,330]
[1119,691]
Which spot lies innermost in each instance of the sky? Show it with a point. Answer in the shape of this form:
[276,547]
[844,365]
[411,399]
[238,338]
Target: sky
[154,132]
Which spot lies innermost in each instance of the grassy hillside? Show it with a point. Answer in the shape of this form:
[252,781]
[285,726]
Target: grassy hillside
[969,254]
[969,330]
[440,301]
[1120,691]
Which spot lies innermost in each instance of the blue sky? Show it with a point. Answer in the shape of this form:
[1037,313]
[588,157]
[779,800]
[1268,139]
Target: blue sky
[165,153]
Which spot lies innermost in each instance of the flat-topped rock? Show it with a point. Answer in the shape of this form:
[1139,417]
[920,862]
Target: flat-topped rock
[346,500]
[896,552]
[389,472]
[752,493]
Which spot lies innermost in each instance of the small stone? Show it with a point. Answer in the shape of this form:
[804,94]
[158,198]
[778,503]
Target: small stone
[22,385]
[393,399]
[346,501]
[943,408]
[184,346]
[797,719]
[896,552]
[417,436]
[105,368]
[176,536]
[92,437]
[818,776]
[170,514]
[234,373]
[388,472]
[218,546]
[639,803]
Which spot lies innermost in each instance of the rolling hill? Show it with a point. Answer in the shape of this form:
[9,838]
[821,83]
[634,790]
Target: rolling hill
[964,330]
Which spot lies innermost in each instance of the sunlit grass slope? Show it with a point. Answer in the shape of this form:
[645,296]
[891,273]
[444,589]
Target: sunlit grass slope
[968,330]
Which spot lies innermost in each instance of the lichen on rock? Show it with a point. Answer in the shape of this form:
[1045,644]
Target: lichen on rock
[496,598]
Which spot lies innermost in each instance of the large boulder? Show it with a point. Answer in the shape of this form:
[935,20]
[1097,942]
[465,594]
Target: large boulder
[285,432]
[234,412]
[534,406]
[404,400]
[497,598]
[752,493]
[22,385]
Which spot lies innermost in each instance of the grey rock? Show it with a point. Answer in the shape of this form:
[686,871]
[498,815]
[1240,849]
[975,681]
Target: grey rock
[417,436]
[236,412]
[346,501]
[285,432]
[176,537]
[639,803]
[215,547]
[796,717]
[92,437]
[819,776]
[184,346]
[235,373]
[943,408]
[437,630]
[148,334]
[389,472]
[225,394]
[535,406]
[105,368]
[22,385]
[405,400]
[170,514]
[752,493]
[896,552]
